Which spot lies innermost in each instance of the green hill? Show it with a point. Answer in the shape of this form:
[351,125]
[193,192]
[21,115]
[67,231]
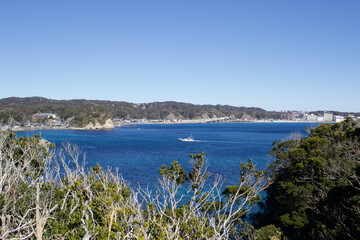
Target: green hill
[23,108]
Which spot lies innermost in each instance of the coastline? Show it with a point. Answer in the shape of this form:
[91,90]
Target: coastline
[29,129]
[235,121]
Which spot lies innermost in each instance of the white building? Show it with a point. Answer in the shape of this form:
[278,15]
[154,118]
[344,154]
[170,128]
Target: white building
[339,118]
[311,118]
[328,117]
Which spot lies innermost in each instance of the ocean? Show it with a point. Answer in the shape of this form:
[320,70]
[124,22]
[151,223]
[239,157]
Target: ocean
[139,150]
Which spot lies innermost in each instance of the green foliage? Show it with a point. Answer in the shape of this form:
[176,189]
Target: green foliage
[174,173]
[269,232]
[227,210]
[87,116]
[316,184]
[198,173]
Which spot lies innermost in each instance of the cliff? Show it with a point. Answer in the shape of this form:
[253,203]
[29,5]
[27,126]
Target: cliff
[97,126]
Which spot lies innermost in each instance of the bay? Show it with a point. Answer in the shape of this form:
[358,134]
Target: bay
[139,150]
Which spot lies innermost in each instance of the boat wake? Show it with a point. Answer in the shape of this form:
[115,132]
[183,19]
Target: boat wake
[204,141]
[209,141]
[191,139]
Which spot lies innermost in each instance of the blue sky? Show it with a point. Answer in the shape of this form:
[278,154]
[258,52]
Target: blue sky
[277,55]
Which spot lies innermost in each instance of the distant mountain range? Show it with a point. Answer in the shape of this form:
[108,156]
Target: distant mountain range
[23,108]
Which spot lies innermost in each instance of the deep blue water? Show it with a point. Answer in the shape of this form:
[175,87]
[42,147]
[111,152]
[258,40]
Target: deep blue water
[138,151]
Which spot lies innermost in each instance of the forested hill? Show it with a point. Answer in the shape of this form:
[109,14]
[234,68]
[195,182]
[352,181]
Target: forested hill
[24,108]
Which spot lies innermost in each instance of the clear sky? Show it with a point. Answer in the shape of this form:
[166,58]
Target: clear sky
[277,55]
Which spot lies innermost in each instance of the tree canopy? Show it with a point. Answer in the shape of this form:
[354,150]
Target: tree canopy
[315,192]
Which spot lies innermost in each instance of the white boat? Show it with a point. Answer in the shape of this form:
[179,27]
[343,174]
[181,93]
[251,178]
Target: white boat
[188,139]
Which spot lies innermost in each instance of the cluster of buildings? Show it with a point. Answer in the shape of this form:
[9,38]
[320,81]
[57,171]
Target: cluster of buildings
[38,121]
[326,117]
[323,117]
[120,122]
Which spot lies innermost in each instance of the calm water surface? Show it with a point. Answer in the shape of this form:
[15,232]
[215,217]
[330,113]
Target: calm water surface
[138,151]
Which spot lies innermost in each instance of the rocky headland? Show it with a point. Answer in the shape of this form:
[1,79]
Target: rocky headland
[97,126]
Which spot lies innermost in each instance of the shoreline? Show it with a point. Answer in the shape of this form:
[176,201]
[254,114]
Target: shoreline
[30,129]
[203,122]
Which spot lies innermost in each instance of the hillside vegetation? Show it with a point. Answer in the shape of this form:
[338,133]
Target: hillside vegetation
[23,108]
[315,192]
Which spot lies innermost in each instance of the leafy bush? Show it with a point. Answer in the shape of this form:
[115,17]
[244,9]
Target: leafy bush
[316,188]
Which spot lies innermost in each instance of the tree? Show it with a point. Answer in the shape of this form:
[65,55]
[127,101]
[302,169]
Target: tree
[48,193]
[315,193]
[210,212]
[22,163]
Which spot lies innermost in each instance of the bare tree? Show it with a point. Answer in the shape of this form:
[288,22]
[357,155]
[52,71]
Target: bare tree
[40,188]
[208,207]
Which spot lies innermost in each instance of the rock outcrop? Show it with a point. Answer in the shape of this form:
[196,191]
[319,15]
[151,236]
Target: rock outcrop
[171,117]
[97,126]
[205,116]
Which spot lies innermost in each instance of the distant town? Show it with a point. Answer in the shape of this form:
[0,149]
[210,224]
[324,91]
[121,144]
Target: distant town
[52,121]
[298,116]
